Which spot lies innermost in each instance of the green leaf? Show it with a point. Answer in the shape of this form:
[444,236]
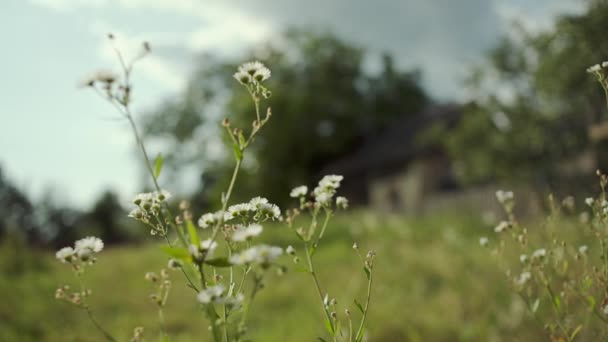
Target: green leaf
[535,305]
[242,140]
[359,306]
[238,154]
[575,332]
[558,302]
[329,327]
[367,272]
[591,301]
[360,337]
[194,239]
[218,262]
[312,249]
[158,165]
[321,339]
[176,252]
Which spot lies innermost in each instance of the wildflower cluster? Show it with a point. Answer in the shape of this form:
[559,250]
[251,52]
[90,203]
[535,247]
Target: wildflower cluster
[558,276]
[251,75]
[321,202]
[82,253]
[217,253]
[561,273]
[149,210]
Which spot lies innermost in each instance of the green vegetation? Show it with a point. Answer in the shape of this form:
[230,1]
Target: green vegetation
[531,90]
[433,282]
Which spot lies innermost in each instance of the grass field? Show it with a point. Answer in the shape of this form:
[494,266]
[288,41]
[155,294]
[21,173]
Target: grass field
[433,282]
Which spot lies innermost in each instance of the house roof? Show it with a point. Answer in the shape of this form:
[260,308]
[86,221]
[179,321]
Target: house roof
[397,144]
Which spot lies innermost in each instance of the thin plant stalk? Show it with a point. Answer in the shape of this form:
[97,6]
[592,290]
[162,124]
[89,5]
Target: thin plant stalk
[86,307]
[366,308]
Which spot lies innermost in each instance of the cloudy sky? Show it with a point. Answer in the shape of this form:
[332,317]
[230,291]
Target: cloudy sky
[55,136]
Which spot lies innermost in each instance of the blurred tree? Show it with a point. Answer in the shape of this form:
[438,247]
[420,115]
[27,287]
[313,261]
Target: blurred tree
[107,219]
[534,102]
[17,213]
[324,104]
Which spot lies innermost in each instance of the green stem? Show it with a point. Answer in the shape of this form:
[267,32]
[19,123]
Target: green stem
[226,198]
[350,329]
[256,287]
[161,321]
[327,217]
[365,310]
[312,272]
[107,335]
[147,161]
[557,313]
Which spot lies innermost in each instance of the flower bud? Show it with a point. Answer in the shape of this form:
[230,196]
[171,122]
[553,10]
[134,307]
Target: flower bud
[151,276]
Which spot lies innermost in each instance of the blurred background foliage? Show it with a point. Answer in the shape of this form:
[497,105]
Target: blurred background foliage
[324,104]
[534,105]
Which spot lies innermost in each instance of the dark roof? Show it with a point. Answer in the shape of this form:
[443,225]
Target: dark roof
[397,144]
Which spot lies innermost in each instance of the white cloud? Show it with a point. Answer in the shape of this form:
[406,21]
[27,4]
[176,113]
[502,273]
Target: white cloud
[68,5]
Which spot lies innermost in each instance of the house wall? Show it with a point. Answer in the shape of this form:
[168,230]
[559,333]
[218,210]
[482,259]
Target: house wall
[418,189]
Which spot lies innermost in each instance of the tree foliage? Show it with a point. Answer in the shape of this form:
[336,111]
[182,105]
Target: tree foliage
[319,85]
[534,102]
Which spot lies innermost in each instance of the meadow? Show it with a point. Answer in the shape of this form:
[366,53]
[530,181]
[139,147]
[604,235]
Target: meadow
[433,282]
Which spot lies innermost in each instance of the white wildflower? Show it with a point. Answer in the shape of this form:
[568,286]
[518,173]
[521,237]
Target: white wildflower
[503,225]
[251,67]
[246,233]
[262,74]
[206,220]
[240,210]
[163,195]
[589,201]
[144,197]
[290,250]
[231,301]
[65,254]
[299,191]
[136,214]
[211,294]
[257,201]
[260,254]
[323,197]
[243,77]
[523,278]
[270,211]
[539,253]
[583,249]
[523,258]
[208,245]
[250,71]
[194,252]
[594,68]
[504,196]
[341,202]
[101,76]
[87,246]
[174,264]
[211,219]
[331,181]
[483,241]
